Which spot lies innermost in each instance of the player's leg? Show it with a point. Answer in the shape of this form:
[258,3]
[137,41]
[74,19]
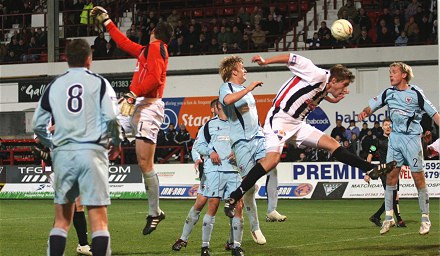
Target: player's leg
[400,223]
[191,220]
[66,190]
[394,153]
[80,224]
[272,197]
[145,155]
[419,180]
[99,226]
[412,151]
[375,218]
[208,224]
[343,155]
[391,186]
[233,180]
[254,172]
[58,234]
[95,195]
[147,119]
[250,206]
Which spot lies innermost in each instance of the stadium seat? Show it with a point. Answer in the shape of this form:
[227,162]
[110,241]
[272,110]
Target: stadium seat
[249,9]
[229,11]
[198,13]
[293,7]
[304,6]
[209,12]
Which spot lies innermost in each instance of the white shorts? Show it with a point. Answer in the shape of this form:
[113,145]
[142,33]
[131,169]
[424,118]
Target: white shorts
[125,122]
[282,128]
[147,118]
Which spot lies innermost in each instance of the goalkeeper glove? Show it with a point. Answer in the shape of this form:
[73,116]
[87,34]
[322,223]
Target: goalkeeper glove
[127,104]
[42,153]
[100,14]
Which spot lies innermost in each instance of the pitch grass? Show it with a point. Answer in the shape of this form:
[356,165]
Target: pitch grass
[338,227]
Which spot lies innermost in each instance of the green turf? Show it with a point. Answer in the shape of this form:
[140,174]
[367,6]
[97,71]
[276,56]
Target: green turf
[338,227]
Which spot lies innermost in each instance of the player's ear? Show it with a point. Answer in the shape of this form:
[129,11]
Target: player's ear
[88,62]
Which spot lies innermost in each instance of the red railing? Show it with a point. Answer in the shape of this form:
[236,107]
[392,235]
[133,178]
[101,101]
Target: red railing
[20,152]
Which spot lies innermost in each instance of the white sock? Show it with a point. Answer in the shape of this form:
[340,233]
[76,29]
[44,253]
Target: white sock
[237,227]
[190,222]
[250,206]
[208,225]
[151,182]
[272,190]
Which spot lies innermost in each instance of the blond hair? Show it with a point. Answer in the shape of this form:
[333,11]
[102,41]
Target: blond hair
[404,68]
[228,65]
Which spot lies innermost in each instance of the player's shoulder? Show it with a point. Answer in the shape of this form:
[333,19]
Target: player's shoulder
[96,75]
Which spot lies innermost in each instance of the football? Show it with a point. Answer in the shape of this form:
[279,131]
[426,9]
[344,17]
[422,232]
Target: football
[341,29]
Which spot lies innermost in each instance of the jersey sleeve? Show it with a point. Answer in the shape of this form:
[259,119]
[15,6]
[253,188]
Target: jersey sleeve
[378,101]
[424,103]
[41,118]
[306,70]
[156,68]
[109,112]
[123,42]
[203,147]
[223,92]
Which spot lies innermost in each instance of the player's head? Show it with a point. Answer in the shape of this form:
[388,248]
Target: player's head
[163,31]
[386,126]
[232,69]
[400,71]
[219,110]
[79,53]
[213,106]
[340,78]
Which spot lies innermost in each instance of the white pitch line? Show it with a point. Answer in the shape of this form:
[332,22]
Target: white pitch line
[347,240]
[27,218]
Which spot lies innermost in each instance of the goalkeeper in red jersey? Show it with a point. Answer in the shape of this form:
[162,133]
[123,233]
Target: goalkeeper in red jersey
[144,102]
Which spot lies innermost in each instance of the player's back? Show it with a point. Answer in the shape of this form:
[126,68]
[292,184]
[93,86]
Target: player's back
[75,101]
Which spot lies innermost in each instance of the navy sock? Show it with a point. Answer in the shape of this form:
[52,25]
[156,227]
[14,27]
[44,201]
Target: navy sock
[80,224]
[343,155]
[57,242]
[101,243]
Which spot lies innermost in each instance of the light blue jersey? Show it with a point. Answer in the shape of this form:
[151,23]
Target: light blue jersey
[242,115]
[406,108]
[215,136]
[82,106]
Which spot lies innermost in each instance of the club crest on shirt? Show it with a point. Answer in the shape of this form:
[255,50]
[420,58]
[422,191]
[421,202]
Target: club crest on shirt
[408,100]
[280,134]
[375,98]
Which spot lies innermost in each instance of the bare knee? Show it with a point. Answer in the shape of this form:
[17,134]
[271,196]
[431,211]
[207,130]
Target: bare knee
[270,161]
[419,179]
[328,143]
[200,202]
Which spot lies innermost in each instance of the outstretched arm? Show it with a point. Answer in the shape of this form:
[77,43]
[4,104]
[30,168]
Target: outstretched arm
[284,58]
[236,96]
[365,113]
